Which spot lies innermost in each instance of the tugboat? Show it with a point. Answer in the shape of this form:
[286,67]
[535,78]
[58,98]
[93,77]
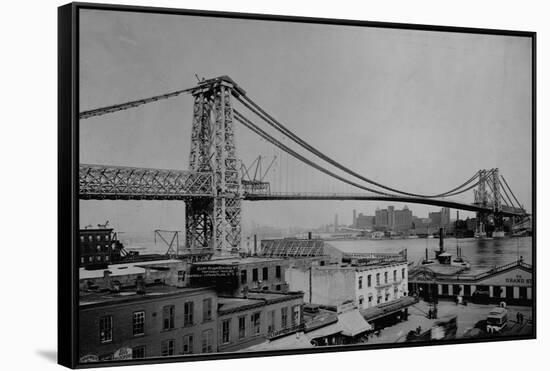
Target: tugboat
[443,258]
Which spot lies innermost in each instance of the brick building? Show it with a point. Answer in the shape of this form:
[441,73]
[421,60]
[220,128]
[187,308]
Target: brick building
[163,321]
[249,320]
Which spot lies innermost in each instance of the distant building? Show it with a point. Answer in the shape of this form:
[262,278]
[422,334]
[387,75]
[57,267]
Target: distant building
[98,247]
[354,224]
[440,219]
[398,221]
[381,220]
[402,220]
[435,219]
[364,221]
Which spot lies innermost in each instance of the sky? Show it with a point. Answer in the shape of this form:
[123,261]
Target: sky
[416,110]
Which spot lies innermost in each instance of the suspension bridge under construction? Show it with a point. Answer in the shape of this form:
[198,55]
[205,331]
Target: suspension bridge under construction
[217,181]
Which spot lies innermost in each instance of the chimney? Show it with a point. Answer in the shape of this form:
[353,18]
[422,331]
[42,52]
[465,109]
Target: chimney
[255,245]
[441,243]
[309,235]
[140,285]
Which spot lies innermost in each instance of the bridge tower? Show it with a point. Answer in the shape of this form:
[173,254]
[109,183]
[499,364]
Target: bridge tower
[215,222]
[481,198]
[497,202]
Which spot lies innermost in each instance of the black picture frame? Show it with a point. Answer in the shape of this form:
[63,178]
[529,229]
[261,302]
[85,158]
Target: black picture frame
[68,170]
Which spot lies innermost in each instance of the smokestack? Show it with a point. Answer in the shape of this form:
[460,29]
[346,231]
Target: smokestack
[441,240]
[255,244]
[309,235]
[426,254]
[140,285]
[335,222]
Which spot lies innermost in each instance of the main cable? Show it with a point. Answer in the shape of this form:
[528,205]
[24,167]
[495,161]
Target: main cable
[255,108]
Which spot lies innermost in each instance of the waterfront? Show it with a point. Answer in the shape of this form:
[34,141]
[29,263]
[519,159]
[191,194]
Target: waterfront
[480,253]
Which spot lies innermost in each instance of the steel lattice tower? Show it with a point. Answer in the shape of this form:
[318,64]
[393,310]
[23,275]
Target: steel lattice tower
[215,222]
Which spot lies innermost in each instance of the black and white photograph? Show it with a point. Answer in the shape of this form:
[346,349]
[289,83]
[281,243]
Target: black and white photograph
[254,185]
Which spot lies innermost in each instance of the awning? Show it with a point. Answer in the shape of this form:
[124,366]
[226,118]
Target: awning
[328,330]
[294,341]
[353,323]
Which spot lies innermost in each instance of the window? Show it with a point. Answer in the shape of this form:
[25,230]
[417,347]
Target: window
[385,277]
[370,300]
[106,329]
[378,278]
[255,319]
[265,273]
[361,300]
[369,279]
[167,348]
[295,315]
[394,275]
[168,317]
[181,276]
[278,271]
[188,313]
[207,309]
[403,273]
[138,352]
[242,327]
[255,275]
[207,341]
[138,323]
[284,317]
[271,324]
[360,283]
[387,295]
[81,238]
[188,344]
[243,276]
[225,331]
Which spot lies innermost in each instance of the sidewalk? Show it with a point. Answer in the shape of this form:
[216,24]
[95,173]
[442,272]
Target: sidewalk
[467,317]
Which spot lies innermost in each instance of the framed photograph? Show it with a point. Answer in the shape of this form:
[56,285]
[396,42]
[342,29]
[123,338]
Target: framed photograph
[240,185]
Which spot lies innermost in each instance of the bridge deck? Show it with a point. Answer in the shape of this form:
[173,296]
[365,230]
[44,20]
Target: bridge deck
[128,183]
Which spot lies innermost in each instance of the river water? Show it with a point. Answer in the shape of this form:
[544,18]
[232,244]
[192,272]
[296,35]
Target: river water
[480,253]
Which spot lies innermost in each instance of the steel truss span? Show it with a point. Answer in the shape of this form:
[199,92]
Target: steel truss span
[129,183]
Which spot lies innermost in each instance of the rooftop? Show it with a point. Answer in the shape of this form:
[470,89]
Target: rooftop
[238,261]
[98,298]
[123,269]
[254,299]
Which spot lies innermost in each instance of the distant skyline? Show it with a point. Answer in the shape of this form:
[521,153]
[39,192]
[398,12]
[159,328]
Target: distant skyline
[417,110]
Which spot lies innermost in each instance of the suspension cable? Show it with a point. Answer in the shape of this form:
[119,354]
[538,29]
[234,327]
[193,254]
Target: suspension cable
[255,108]
[123,106]
[247,123]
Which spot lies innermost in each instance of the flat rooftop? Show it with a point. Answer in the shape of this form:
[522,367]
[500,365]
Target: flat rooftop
[90,299]
[238,261]
[254,299]
[123,269]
